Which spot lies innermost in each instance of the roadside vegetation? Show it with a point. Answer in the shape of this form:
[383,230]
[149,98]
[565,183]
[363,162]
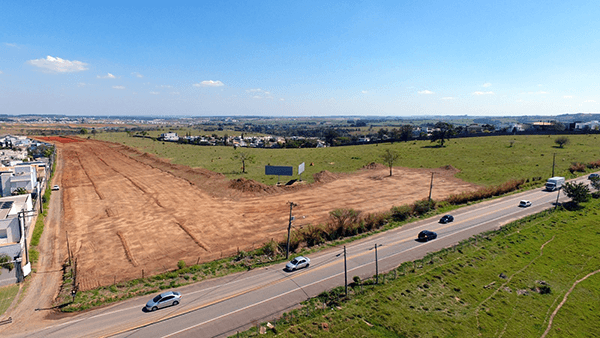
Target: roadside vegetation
[491,160]
[39,223]
[506,283]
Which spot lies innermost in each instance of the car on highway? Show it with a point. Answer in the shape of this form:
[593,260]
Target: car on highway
[55,187]
[426,235]
[447,219]
[593,176]
[165,299]
[524,204]
[297,263]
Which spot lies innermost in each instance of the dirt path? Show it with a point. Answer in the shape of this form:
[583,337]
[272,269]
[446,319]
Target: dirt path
[45,281]
[564,300]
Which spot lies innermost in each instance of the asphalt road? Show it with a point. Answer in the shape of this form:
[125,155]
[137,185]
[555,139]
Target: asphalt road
[220,307]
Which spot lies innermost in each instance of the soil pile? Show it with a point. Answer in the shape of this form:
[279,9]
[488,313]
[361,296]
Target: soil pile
[246,185]
[324,176]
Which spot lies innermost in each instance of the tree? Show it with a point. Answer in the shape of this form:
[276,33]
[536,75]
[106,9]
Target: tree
[441,132]
[83,131]
[562,141]
[20,191]
[244,157]
[595,182]
[577,192]
[6,262]
[406,132]
[389,157]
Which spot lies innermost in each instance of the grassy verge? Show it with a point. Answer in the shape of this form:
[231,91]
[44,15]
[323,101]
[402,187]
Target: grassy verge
[7,294]
[486,161]
[503,283]
[39,223]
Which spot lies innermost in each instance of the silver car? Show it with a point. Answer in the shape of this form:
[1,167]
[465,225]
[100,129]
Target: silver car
[298,263]
[163,300]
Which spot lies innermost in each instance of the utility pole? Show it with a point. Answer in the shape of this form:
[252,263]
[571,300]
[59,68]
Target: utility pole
[287,250]
[376,266]
[430,187]
[345,273]
[557,196]
[553,162]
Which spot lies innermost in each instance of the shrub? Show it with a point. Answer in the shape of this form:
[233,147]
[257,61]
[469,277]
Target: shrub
[577,166]
[270,248]
[423,206]
[181,264]
[313,235]
[401,213]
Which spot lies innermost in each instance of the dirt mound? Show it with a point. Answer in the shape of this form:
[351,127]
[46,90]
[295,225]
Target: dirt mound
[246,185]
[324,176]
[374,165]
[449,167]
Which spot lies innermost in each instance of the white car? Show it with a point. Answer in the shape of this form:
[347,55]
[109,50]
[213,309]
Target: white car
[55,187]
[524,204]
[298,263]
[165,299]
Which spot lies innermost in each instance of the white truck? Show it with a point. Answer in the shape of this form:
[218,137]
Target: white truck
[555,183]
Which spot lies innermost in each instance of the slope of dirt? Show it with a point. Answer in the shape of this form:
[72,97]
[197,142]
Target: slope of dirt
[126,211]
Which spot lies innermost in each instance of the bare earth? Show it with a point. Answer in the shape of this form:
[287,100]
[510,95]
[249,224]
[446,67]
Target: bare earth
[127,212]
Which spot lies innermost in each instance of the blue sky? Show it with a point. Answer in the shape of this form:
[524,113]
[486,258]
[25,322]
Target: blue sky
[305,58]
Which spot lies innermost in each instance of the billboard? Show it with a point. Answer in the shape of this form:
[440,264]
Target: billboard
[279,170]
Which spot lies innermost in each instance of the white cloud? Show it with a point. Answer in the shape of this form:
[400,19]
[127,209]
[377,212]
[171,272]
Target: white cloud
[257,97]
[0,72]
[483,93]
[487,84]
[174,93]
[154,93]
[136,74]
[281,99]
[11,45]
[209,83]
[254,90]
[568,97]
[119,87]
[426,92]
[58,65]
[588,101]
[164,86]
[107,76]
[81,84]
[541,92]
[364,92]
[447,98]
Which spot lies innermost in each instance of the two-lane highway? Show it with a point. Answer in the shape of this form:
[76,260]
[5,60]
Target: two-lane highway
[220,307]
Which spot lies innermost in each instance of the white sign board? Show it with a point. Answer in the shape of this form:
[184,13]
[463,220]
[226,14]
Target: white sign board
[27,269]
[301,168]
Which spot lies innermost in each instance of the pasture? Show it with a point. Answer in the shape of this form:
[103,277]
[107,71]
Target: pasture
[484,161]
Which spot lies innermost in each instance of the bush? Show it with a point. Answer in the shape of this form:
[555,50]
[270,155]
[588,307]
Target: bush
[423,206]
[270,248]
[577,167]
[181,264]
[401,213]
[313,235]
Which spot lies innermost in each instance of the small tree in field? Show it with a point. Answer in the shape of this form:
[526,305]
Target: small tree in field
[577,192]
[389,157]
[562,141]
[244,157]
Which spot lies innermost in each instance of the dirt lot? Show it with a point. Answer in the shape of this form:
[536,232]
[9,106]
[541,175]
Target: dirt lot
[126,211]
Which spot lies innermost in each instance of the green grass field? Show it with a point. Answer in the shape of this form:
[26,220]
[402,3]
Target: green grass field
[482,160]
[461,293]
[7,294]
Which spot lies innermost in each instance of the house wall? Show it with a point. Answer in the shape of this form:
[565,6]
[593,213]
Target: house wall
[10,231]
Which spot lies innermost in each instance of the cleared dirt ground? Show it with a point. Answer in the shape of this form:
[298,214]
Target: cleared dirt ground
[125,211]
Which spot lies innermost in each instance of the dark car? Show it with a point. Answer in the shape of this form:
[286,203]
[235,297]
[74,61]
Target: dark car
[446,219]
[426,235]
[593,176]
